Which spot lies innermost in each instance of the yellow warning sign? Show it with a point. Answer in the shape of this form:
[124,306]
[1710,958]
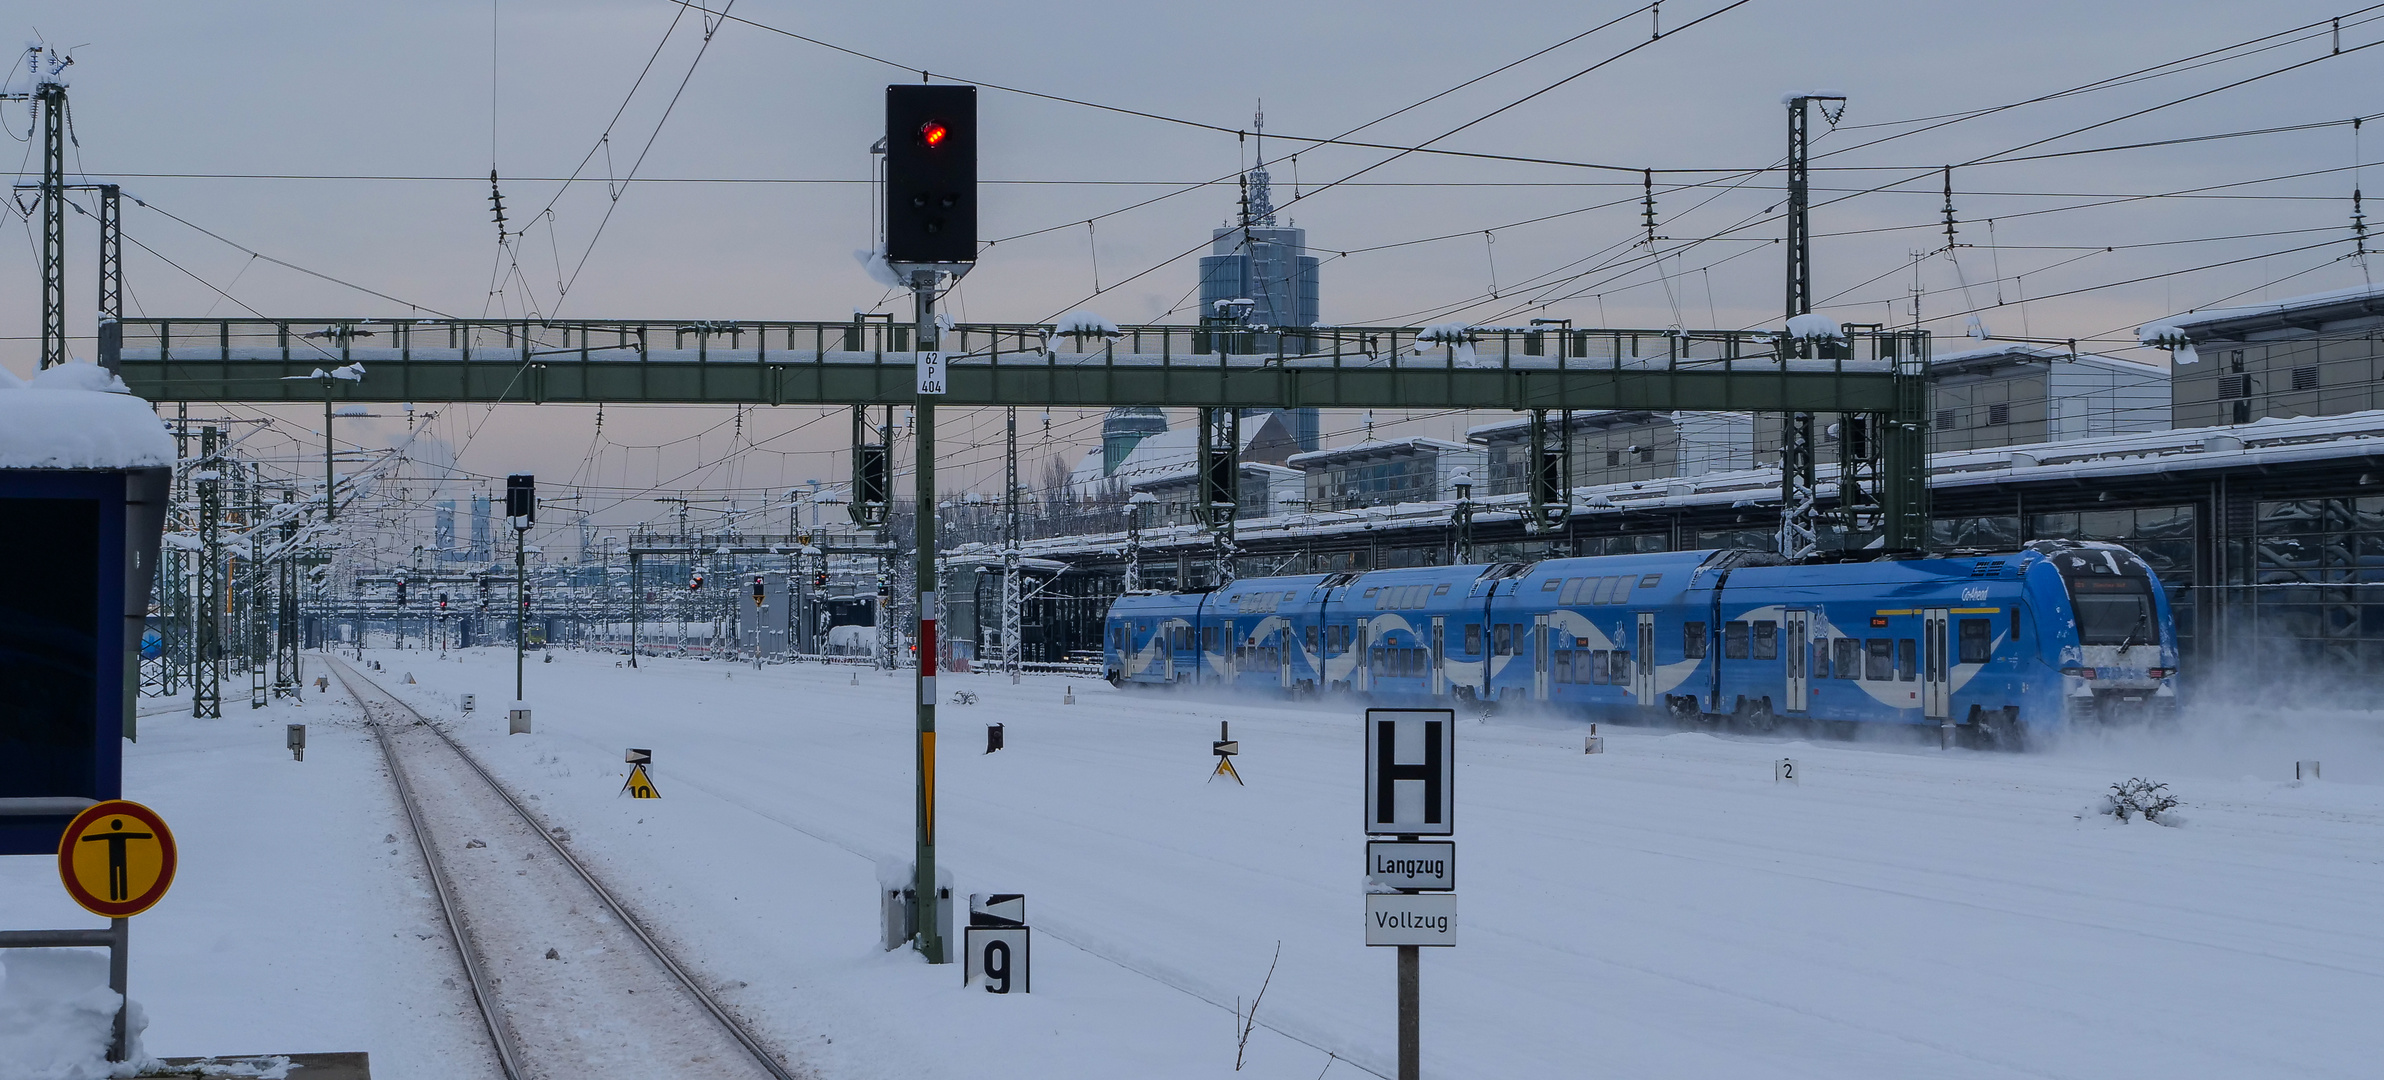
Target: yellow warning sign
[116,858]
[1225,768]
[640,786]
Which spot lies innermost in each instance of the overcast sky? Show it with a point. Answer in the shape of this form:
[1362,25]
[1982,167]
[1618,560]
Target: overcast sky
[427,97]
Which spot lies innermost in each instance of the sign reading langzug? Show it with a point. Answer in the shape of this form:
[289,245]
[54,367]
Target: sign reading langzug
[1412,866]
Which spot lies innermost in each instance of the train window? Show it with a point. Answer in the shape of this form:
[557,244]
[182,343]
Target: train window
[1473,639]
[1846,659]
[1441,589]
[1572,592]
[1978,641]
[1734,640]
[1651,581]
[1879,661]
[1597,666]
[1767,639]
[1502,639]
[1604,592]
[1564,666]
[1551,585]
[1692,640]
[1905,665]
[1311,639]
[1621,658]
[1208,639]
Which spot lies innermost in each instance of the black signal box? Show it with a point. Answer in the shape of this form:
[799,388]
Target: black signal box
[521,498]
[931,173]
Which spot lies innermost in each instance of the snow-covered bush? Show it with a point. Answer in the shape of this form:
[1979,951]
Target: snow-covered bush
[2139,796]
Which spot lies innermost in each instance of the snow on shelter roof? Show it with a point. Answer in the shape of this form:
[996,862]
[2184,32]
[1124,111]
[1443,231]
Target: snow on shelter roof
[2358,300]
[1943,362]
[78,416]
[1379,446]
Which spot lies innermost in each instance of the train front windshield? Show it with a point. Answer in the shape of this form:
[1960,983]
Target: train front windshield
[2114,611]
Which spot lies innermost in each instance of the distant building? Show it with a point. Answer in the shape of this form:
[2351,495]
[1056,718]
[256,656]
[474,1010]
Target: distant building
[2011,394]
[2313,355]
[1266,264]
[1125,428]
[1612,447]
[1266,440]
[483,548]
[442,531]
[1264,491]
[1386,472]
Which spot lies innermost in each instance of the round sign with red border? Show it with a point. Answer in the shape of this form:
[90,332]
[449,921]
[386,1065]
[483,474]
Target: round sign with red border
[116,858]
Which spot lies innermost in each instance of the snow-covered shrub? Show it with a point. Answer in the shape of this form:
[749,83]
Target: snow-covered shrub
[2139,796]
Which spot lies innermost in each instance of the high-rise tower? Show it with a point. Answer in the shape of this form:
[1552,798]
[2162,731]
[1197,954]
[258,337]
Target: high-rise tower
[1266,263]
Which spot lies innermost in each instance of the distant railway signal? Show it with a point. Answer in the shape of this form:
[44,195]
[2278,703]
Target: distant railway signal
[521,500]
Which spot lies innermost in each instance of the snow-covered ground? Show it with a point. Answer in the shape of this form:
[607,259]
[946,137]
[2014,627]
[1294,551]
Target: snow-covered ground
[1664,909]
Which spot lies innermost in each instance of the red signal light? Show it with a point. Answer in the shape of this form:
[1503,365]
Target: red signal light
[933,133]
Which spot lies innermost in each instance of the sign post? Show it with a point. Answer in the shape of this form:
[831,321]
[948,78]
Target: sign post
[1411,774]
[116,859]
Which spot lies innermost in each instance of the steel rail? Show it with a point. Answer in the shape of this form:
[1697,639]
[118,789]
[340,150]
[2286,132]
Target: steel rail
[508,1058]
[735,1029]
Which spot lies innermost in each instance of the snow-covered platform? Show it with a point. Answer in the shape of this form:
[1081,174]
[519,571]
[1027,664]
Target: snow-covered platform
[1662,909]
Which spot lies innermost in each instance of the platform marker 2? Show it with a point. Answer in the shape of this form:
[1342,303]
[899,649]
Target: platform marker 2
[1225,748]
[639,785]
[1783,771]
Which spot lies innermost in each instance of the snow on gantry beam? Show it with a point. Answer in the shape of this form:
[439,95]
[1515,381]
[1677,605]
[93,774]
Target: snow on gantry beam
[869,361]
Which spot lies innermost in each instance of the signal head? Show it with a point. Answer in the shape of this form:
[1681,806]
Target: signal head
[933,133]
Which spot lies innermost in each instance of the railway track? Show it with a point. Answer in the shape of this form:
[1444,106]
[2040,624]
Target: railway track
[569,983]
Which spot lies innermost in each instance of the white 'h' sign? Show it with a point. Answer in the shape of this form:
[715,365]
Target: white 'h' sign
[1411,772]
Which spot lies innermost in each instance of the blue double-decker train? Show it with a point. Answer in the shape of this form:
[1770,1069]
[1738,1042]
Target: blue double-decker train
[2001,647]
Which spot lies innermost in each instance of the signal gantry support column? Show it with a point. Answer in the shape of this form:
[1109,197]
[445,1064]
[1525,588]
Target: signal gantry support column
[1012,648]
[1799,514]
[931,234]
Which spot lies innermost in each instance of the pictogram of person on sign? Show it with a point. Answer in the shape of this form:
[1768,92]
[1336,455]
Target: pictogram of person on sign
[119,885]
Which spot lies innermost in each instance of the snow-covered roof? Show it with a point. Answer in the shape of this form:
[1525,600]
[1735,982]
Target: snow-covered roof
[2354,302]
[1580,418]
[2109,459]
[1192,471]
[1378,446]
[78,416]
[2023,351]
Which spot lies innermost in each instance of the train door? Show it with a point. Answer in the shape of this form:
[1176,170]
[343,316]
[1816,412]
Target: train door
[1798,650]
[1166,640]
[1643,666]
[1936,682]
[1283,647]
[1539,657]
[1440,644]
[1363,672]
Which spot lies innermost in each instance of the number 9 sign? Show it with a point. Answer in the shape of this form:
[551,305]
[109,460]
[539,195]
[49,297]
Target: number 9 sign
[998,957]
